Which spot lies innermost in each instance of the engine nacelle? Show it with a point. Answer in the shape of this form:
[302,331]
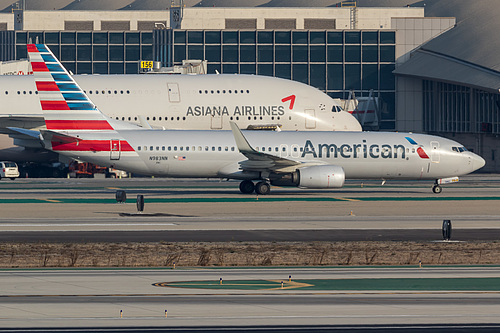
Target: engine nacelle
[321,176]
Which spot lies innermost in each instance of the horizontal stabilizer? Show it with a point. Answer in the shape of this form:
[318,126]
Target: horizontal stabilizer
[27,132]
[58,137]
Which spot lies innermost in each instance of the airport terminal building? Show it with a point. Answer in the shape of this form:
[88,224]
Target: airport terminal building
[432,63]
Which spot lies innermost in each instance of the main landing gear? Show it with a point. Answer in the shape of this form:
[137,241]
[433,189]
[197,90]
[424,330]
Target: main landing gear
[261,188]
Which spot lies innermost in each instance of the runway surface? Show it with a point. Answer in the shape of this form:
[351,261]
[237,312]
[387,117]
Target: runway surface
[67,210]
[97,298]
[208,210]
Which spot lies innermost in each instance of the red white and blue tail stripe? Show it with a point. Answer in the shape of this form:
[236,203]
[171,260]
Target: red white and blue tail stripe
[64,104]
[74,124]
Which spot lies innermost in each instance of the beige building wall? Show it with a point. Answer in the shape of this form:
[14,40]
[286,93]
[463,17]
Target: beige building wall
[409,99]
[54,20]
[215,18]
[8,19]
[411,32]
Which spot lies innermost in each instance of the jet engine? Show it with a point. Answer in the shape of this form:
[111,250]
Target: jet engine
[319,176]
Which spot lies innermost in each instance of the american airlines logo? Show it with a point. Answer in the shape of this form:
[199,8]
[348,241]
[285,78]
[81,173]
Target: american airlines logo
[361,150]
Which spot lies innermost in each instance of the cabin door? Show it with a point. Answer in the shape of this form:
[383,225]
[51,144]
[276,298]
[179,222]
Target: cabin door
[435,158]
[310,119]
[216,121]
[174,95]
[115,149]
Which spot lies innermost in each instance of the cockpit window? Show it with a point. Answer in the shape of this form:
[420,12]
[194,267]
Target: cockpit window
[336,108]
[459,149]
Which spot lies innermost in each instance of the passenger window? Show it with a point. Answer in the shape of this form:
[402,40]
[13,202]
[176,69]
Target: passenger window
[139,148]
[175,148]
[199,148]
[157,148]
[150,147]
[169,148]
[232,148]
[206,148]
[181,148]
[226,148]
[220,148]
[145,147]
[213,148]
[163,148]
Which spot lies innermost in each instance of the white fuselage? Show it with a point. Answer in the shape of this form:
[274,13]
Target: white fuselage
[190,101]
[214,154]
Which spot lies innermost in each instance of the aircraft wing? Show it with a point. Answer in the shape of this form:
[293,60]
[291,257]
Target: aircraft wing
[260,161]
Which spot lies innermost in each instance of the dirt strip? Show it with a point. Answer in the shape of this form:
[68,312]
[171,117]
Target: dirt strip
[29,255]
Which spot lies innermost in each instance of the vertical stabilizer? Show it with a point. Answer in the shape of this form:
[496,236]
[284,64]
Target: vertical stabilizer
[64,104]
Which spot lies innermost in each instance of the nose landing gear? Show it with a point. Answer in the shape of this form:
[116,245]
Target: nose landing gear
[437,189]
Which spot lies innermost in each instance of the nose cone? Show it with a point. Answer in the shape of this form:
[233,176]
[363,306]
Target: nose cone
[477,162]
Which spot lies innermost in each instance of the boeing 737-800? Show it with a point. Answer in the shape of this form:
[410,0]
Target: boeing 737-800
[77,129]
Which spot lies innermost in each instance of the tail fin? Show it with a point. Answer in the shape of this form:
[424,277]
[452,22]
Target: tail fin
[64,104]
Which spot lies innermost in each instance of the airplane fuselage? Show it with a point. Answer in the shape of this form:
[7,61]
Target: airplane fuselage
[190,101]
[214,154]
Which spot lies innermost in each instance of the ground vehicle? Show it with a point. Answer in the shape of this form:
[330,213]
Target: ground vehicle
[89,170]
[8,170]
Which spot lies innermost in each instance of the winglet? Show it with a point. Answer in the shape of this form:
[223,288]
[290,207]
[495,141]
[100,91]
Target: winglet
[241,141]
[144,123]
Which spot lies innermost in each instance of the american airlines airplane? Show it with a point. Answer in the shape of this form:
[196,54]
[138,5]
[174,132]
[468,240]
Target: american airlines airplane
[77,129]
[179,102]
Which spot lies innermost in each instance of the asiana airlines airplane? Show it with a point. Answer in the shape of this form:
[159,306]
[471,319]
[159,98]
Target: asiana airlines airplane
[77,129]
[200,102]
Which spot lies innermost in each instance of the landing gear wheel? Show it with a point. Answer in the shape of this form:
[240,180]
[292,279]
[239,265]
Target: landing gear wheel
[262,188]
[247,187]
[437,189]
